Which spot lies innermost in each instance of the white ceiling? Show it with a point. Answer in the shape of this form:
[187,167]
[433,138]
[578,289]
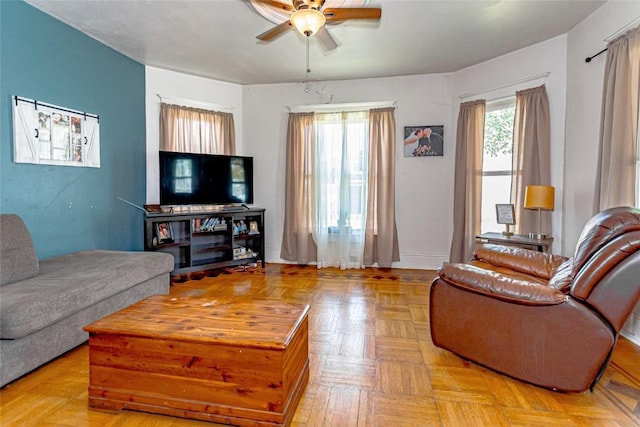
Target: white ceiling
[216,38]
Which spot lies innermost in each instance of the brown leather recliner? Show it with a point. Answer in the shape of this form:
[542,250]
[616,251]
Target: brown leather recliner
[545,319]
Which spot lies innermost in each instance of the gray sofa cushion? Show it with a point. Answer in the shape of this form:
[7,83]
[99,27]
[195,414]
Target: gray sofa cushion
[18,259]
[73,282]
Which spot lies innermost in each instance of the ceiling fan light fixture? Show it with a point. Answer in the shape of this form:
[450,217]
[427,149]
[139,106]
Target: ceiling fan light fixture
[307,21]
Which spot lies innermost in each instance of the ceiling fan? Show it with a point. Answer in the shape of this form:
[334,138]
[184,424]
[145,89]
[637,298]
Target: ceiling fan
[309,18]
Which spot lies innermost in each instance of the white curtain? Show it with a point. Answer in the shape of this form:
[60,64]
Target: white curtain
[342,146]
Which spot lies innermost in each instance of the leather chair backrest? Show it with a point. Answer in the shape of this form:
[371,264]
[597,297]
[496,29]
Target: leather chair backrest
[606,264]
[601,229]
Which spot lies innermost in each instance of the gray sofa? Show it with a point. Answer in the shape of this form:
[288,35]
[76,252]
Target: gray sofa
[45,304]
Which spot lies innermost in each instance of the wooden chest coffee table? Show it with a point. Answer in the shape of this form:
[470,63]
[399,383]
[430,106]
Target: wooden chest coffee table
[242,363]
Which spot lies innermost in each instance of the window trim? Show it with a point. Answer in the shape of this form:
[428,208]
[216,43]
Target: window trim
[335,227]
[340,108]
[495,105]
[500,103]
[491,106]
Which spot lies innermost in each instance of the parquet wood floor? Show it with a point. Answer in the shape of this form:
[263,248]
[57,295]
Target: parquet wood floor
[372,364]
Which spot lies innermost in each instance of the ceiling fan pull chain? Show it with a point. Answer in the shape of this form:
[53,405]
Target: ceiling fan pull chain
[306,76]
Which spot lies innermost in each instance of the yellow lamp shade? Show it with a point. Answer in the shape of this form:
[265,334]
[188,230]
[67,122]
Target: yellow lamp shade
[539,197]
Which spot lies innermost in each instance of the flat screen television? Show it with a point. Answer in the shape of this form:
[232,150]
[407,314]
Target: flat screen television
[205,179]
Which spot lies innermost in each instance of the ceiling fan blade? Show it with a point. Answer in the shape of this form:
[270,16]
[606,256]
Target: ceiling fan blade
[344,13]
[274,32]
[325,39]
[277,5]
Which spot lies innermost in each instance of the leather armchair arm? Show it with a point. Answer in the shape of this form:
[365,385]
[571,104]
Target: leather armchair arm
[499,286]
[526,261]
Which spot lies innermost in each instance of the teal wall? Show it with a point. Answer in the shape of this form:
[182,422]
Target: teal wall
[72,208]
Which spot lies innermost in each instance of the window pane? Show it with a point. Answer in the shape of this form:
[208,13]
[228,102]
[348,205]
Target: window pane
[496,188]
[329,158]
[497,161]
[341,160]
[498,139]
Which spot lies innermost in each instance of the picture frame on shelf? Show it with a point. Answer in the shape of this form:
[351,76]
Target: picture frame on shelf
[505,214]
[164,232]
[253,227]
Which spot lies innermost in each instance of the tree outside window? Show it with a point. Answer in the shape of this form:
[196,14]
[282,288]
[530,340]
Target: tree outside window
[497,160]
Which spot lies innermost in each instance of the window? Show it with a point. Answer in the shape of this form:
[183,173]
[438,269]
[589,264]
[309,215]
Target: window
[497,160]
[341,160]
[327,188]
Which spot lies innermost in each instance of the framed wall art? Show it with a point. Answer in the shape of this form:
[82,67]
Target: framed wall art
[48,134]
[423,141]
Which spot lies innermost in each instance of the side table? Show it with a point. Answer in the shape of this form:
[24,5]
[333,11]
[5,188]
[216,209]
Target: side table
[523,240]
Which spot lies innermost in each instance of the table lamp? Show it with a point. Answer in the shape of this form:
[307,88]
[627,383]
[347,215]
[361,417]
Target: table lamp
[539,197]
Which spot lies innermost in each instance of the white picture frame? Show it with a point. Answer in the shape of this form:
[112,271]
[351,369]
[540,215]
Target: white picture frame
[505,214]
[48,134]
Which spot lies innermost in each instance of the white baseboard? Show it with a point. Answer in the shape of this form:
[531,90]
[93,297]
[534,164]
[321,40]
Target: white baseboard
[631,328]
[418,261]
[421,261]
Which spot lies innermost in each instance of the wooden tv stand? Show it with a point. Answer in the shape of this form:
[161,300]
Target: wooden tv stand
[207,239]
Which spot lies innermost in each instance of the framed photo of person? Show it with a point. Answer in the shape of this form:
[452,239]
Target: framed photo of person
[253,227]
[423,141]
[164,232]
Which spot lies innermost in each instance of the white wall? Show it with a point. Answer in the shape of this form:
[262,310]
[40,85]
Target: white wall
[197,89]
[584,99]
[499,78]
[423,185]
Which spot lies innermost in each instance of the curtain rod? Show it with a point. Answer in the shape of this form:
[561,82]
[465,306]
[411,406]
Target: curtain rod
[589,58]
[527,79]
[354,106]
[614,36]
[195,103]
[44,104]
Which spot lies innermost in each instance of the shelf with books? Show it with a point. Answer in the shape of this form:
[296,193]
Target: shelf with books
[204,240]
[210,224]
